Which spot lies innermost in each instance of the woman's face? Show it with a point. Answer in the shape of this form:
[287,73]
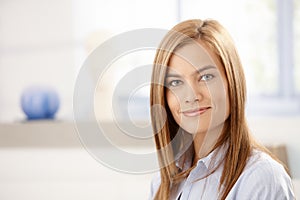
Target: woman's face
[197,89]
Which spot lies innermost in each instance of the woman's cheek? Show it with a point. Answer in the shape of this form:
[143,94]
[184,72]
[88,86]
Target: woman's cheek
[173,104]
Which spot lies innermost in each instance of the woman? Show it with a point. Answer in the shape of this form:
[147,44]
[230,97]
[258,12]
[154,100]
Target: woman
[204,146]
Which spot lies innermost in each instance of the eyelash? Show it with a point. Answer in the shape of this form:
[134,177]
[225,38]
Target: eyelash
[173,81]
[179,82]
[210,75]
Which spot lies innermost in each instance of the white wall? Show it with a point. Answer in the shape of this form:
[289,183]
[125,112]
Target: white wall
[36,47]
[65,174]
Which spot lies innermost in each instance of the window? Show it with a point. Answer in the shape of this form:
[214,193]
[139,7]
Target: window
[297,45]
[263,33]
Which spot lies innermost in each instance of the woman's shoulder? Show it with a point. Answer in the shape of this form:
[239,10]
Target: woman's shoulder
[263,168]
[263,178]
[262,163]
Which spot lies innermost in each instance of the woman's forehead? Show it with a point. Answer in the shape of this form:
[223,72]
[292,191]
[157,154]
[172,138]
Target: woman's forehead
[195,55]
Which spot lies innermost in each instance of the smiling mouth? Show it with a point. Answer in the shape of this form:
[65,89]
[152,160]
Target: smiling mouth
[195,112]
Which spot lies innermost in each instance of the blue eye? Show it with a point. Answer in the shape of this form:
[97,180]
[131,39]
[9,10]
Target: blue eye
[206,77]
[175,83]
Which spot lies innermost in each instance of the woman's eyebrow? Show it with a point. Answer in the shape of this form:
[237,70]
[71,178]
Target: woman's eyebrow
[198,71]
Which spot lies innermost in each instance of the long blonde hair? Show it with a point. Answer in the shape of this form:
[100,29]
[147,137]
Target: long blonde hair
[235,131]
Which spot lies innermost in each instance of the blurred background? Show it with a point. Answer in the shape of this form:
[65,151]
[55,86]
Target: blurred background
[44,43]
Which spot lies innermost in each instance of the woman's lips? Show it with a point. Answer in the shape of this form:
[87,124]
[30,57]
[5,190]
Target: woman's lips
[195,112]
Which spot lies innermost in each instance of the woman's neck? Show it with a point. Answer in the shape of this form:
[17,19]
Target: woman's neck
[204,142]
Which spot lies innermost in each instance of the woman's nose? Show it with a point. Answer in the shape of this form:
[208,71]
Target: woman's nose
[191,100]
[192,94]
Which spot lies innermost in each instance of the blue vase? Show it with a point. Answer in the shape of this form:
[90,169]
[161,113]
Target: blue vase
[39,102]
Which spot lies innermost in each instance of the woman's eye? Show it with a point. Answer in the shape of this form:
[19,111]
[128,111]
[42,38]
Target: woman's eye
[175,83]
[206,77]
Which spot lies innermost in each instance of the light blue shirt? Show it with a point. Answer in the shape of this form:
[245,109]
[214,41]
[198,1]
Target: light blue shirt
[262,179]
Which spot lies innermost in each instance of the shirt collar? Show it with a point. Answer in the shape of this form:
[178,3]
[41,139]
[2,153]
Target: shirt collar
[212,160]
